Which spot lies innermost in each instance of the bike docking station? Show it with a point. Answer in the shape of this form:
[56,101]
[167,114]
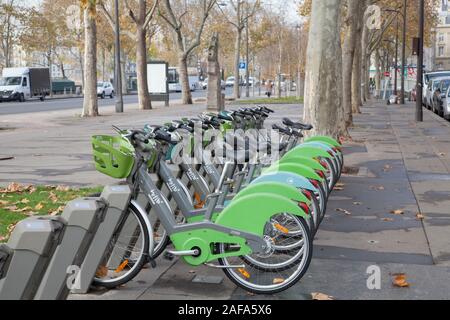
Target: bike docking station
[32,245]
[83,217]
[44,252]
[117,198]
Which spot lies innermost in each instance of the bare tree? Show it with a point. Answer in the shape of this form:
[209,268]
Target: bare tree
[242,11]
[348,54]
[323,97]
[106,8]
[90,104]
[142,15]
[185,46]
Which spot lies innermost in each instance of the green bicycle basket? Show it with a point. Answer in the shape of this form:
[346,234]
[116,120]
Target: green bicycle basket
[113,156]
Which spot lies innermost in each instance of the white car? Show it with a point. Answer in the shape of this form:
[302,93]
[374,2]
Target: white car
[427,78]
[105,89]
[229,82]
[446,104]
[205,84]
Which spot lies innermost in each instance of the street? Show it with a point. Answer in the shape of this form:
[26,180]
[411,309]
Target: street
[36,105]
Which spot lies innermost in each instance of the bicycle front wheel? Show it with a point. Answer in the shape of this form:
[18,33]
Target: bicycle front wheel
[128,251]
[282,266]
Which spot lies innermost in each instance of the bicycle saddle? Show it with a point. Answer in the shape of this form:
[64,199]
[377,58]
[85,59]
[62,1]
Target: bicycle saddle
[297,125]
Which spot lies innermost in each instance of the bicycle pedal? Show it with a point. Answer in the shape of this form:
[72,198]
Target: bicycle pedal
[169,256]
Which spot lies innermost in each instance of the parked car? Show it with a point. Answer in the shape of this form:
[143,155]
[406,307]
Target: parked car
[446,105]
[229,82]
[105,89]
[205,84]
[439,95]
[432,86]
[252,81]
[427,78]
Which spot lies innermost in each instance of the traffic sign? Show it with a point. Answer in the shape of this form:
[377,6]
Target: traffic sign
[242,65]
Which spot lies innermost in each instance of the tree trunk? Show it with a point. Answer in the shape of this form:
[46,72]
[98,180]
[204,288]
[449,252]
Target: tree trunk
[356,78]
[323,97]
[90,104]
[123,62]
[378,73]
[141,69]
[364,41]
[237,60]
[348,55]
[186,95]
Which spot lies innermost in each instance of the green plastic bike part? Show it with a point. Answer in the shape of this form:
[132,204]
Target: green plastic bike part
[311,163]
[113,156]
[204,240]
[283,190]
[310,152]
[251,213]
[287,191]
[293,167]
[327,140]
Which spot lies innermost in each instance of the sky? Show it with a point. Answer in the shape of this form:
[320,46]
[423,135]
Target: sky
[289,5]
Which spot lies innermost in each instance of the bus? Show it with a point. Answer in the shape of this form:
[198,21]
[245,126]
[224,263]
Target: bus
[175,83]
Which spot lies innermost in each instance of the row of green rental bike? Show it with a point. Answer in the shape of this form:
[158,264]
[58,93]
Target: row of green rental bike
[249,204]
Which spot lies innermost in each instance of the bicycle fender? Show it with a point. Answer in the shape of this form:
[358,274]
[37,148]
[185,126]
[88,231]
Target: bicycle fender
[251,213]
[327,140]
[293,179]
[313,164]
[284,190]
[296,168]
[310,152]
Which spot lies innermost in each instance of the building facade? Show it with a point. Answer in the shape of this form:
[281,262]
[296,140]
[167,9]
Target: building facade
[442,38]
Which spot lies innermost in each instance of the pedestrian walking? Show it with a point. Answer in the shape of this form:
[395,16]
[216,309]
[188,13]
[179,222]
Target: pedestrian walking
[269,88]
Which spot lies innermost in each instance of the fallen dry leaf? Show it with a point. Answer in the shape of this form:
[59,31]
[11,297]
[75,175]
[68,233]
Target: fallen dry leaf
[101,272]
[397,212]
[11,228]
[3,202]
[25,201]
[62,188]
[39,206]
[2,239]
[321,296]
[356,203]
[387,168]
[57,211]
[388,219]
[53,197]
[442,154]
[14,187]
[338,189]
[344,211]
[420,216]
[32,190]
[278,281]
[400,281]
[11,208]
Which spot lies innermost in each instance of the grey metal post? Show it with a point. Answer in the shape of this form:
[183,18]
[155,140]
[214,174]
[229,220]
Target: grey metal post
[119,99]
[419,88]
[247,70]
[402,95]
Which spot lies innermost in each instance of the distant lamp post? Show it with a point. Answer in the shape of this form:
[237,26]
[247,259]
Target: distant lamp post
[118,76]
[419,86]
[298,27]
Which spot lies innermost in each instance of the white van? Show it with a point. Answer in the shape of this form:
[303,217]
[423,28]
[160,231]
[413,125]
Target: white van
[21,84]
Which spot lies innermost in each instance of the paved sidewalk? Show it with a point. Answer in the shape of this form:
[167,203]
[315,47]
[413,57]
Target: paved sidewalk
[398,165]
